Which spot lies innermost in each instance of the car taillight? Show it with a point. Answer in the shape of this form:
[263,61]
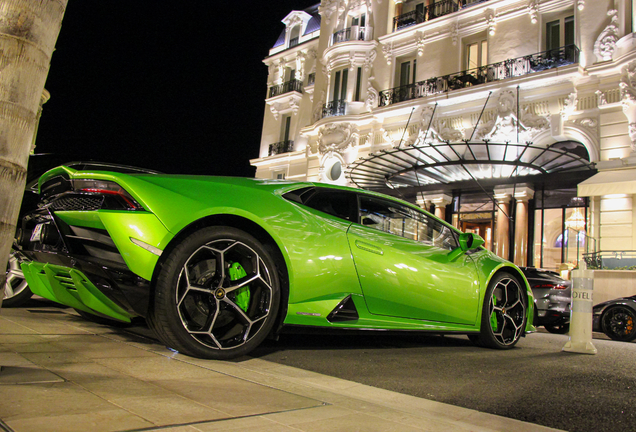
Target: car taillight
[115,197]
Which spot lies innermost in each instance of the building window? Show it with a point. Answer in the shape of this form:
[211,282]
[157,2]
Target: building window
[560,224]
[340,85]
[279,175]
[359,20]
[285,127]
[407,71]
[358,84]
[559,32]
[294,36]
[476,54]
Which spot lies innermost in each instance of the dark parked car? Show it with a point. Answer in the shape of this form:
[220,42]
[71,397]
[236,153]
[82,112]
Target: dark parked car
[616,318]
[552,298]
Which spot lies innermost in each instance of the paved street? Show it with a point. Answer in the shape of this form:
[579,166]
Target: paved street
[536,382]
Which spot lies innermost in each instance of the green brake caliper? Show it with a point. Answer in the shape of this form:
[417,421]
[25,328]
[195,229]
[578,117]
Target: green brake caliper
[493,316]
[242,296]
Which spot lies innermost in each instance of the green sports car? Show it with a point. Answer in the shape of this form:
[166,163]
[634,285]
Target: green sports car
[218,264]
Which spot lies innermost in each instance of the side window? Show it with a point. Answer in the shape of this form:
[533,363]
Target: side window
[405,222]
[335,202]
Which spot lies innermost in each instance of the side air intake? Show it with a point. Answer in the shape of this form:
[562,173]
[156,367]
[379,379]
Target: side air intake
[345,311]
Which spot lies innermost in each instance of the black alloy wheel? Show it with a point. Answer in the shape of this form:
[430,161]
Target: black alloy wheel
[619,323]
[217,295]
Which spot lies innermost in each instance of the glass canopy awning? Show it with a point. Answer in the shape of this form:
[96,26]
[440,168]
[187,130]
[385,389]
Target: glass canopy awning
[446,163]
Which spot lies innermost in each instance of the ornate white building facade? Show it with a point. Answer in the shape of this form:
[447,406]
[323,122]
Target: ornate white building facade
[515,119]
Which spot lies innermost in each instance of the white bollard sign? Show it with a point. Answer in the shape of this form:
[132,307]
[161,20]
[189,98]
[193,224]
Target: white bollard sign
[581,312]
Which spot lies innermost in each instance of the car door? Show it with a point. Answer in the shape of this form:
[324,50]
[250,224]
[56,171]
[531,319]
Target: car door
[401,256]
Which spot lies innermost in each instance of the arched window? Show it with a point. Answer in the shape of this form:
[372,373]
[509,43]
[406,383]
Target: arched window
[294,36]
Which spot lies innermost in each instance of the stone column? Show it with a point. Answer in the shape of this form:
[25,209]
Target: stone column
[440,200]
[522,196]
[502,231]
[398,7]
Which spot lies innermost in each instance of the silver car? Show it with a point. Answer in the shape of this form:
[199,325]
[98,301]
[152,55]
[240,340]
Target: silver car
[552,299]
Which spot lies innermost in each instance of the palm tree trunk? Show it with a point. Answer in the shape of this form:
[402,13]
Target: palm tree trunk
[28,31]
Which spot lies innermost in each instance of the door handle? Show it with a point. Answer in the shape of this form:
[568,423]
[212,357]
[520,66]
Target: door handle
[369,247]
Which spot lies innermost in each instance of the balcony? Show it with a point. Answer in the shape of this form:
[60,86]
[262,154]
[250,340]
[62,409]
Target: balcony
[430,12]
[349,34]
[280,147]
[286,87]
[334,108]
[493,72]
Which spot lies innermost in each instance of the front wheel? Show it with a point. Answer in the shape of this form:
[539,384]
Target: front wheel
[618,323]
[503,316]
[217,295]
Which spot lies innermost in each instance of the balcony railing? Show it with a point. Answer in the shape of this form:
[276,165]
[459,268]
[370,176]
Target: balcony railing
[493,72]
[351,33]
[430,12]
[280,147]
[286,87]
[334,108]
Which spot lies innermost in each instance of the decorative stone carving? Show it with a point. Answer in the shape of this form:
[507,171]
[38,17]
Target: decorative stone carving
[491,21]
[505,126]
[300,65]
[368,61]
[533,11]
[280,66]
[600,98]
[373,96]
[455,33]
[632,135]
[628,85]
[337,137]
[570,105]
[387,50]
[289,102]
[588,122]
[605,44]
[580,4]
[326,10]
[317,114]
[421,42]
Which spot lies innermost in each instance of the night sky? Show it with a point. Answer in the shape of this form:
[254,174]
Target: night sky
[175,86]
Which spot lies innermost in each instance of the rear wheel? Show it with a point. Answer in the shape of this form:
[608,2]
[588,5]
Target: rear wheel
[16,289]
[619,323]
[504,313]
[217,295]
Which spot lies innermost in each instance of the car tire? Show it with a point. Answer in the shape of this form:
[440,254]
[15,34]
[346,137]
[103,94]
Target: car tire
[619,323]
[200,306]
[16,289]
[99,319]
[561,328]
[503,317]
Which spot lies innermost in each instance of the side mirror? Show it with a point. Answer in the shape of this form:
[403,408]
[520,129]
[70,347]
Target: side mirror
[468,241]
